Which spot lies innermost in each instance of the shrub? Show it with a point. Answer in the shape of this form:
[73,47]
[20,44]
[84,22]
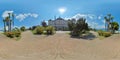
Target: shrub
[17,34]
[38,30]
[75,33]
[9,34]
[50,30]
[44,32]
[107,34]
[100,33]
[78,27]
[14,33]
[22,28]
[103,33]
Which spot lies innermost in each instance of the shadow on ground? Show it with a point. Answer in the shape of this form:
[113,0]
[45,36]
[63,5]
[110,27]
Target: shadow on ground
[89,36]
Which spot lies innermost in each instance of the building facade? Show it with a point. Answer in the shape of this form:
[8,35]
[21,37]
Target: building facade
[59,23]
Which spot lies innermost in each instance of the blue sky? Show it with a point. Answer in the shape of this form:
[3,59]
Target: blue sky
[36,11]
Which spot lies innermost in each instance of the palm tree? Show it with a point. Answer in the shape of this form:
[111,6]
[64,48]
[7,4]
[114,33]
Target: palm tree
[13,19]
[7,20]
[108,20]
[106,23]
[4,25]
[10,21]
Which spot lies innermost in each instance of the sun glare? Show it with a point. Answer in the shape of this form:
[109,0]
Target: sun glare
[62,10]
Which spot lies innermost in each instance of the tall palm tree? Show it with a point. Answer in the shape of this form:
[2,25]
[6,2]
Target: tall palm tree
[4,25]
[106,23]
[108,20]
[10,21]
[9,26]
[7,21]
[13,19]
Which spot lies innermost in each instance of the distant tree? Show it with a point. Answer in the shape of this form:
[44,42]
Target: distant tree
[115,26]
[23,28]
[29,28]
[44,24]
[108,19]
[33,27]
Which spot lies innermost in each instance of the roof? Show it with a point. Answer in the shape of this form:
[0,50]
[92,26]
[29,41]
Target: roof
[59,18]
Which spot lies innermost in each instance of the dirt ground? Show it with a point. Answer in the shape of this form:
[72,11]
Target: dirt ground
[60,46]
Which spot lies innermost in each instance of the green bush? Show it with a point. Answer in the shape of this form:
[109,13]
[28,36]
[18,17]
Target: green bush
[75,33]
[38,30]
[44,32]
[22,28]
[103,33]
[9,34]
[17,34]
[100,33]
[107,34]
[14,33]
[50,30]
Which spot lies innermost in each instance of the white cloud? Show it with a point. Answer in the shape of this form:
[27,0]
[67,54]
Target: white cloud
[21,17]
[99,17]
[77,16]
[5,13]
[35,15]
[91,16]
[87,16]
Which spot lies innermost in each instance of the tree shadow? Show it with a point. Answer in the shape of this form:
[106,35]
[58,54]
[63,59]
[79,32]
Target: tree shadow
[89,36]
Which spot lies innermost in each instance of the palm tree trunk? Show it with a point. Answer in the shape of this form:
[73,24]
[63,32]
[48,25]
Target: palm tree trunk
[4,26]
[105,26]
[10,25]
[13,20]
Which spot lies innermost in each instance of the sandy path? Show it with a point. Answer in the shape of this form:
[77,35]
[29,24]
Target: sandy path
[59,47]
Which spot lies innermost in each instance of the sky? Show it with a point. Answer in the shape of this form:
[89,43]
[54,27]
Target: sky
[32,12]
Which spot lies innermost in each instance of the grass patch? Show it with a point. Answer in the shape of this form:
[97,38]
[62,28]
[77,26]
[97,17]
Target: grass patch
[18,38]
[101,37]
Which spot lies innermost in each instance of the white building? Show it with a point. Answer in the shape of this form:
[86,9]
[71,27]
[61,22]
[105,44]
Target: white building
[59,23]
